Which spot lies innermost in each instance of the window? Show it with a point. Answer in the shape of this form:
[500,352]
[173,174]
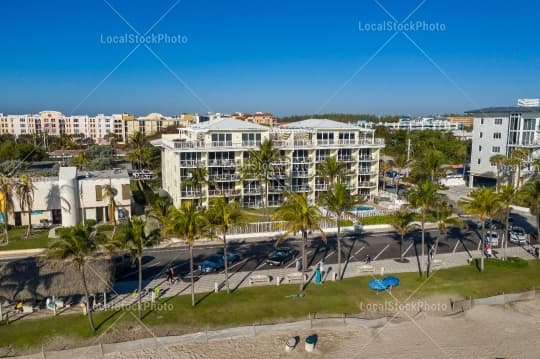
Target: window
[126,191]
[498,121]
[481,121]
[497,135]
[99,193]
[481,134]
[479,148]
[496,149]
[479,161]
[221,139]
[251,138]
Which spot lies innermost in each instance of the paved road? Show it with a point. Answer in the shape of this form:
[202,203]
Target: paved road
[354,248]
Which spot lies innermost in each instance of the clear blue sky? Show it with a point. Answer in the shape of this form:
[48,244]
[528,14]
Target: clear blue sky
[287,57]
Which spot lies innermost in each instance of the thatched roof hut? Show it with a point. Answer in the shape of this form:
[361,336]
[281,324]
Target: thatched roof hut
[40,277]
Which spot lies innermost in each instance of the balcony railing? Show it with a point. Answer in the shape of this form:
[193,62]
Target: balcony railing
[367,184]
[251,143]
[192,194]
[277,175]
[280,162]
[322,187]
[191,163]
[222,144]
[222,163]
[346,158]
[301,160]
[252,190]
[223,177]
[224,192]
[325,142]
[276,189]
[301,188]
[300,174]
[366,171]
[321,159]
[366,158]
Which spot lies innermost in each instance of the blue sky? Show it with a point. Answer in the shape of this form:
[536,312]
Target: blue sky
[286,57]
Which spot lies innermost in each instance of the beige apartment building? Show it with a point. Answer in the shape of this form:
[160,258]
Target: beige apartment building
[222,146]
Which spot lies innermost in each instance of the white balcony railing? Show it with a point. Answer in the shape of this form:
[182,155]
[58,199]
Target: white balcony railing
[222,163]
[301,189]
[223,177]
[300,174]
[192,163]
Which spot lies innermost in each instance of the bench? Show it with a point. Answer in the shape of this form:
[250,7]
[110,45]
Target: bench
[436,263]
[366,268]
[295,277]
[259,279]
[28,309]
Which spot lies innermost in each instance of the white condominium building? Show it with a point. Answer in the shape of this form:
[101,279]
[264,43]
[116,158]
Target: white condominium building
[424,123]
[222,146]
[501,130]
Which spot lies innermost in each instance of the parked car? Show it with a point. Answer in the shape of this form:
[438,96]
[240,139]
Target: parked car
[232,257]
[212,263]
[122,263]
[493,224]
[517,235]
[280,255]
[492,238]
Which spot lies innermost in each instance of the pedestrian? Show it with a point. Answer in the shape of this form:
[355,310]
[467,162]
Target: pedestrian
[173,275]
[368,259]
[537,252]
[298,265]
[431,253]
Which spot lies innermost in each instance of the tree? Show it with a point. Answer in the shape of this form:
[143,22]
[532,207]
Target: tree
[445,218]
[112,138]
[338,200]
[187,223]
[134,239]
[332,169]
[401,221]
[485,204]
[423,197]
[77,245]
[400,162]
[516,159]
[384,167]
[198,177]
[260,164]
[301,217]
[137,143]
[6,202]
[530,193]
[221,214]
[507,195]
[109,192]
[499,161]
[160,210]
[24,189]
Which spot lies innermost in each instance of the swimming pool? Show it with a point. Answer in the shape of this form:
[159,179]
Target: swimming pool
[363,208]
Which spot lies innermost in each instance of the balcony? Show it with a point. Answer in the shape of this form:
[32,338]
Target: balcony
[277,175]
[366,171]
[192,194]
[366,184]
[222,163]
[322,186]
[252,191]
[223,177]
[301,160]
[192,163]
[346,158]
[301,188]
[329,142]
[251,144]
[276,189]
[222,144]
[366,158]
[224,192]
[302,174]
[280,162]
[321,159]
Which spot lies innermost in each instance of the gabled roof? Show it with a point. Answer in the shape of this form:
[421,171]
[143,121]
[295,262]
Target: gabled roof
[322,124]
[228,124]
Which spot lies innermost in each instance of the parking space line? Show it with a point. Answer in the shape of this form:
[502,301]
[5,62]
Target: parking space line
[360,250]
[381,252]
[455,247]
[234,265]
[407,249]
[298,257]
[329,254]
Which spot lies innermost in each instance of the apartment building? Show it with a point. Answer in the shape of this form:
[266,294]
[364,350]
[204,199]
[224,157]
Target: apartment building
[148,125]
[501,130]
[259,118]
[424,123]
[74,196]
[222,146]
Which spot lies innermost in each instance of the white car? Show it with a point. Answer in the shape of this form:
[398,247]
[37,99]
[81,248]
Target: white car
[517,235]
[492,238]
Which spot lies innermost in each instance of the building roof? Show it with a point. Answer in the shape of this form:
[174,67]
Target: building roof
[504,109]
[228,124]
[322,124]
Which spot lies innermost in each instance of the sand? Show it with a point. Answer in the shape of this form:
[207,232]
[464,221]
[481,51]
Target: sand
[510,331]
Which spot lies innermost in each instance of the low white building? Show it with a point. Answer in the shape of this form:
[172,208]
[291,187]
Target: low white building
[74,196]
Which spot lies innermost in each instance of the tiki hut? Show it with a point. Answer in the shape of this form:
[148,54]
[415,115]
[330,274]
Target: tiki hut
[41,277]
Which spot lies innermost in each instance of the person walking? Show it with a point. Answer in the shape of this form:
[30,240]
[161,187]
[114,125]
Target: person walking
[368,259]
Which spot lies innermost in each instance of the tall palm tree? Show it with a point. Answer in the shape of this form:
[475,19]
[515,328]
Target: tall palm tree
[187,223]
[423,197]
[160,210]
[137,143]
[221,214]
[445,218]
[78,245]
[339,200]
[516,159]
[134,239]
[332,169]
[260,164]
[499,161]
[401,221]
[24,189]
[530,193]
[198,177]
[301,217]
[384,167]
[400,162]
[507,195]
[6,202]
[109,192]
[80,160]
[485,204]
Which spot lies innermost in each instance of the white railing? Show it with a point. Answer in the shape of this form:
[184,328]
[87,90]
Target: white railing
[276,189]
[222,163]
[346,158]
[223,192]
[221,178]
[192,163]
[252,190]
[301,160]
[367,184]
[300,174]
[251,143]
[192,193]
[301,189]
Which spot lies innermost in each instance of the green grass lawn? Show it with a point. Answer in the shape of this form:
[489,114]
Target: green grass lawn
[17,239]
[271,304]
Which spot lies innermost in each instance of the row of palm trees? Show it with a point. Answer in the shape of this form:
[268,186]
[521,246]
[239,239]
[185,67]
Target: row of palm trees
[513,163]
[23,188]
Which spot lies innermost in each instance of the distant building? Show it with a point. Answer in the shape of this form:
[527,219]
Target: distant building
[74,196]
[222,146]
[466,121]
[147,125]
[423,123]
[258,118]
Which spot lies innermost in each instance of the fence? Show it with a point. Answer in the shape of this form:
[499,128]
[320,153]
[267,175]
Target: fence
[272,227]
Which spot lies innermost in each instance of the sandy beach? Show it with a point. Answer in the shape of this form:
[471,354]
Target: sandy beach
[509,331]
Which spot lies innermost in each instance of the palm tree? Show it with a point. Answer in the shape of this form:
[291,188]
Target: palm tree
[401,221]
[423,197]
[445,218]
[516,159]
[499,161]
[507,195]
[221,215]
[384,167]
[134,239]
[260,164]
[76,244]
[530,193]
[300,217]
[137,143]
[109,192]
[160,210]
[187,223]
[80,160]
[6,202]
[485,204]
[400,162]
[198,177]
[24,189]
[332,169]
[338,200]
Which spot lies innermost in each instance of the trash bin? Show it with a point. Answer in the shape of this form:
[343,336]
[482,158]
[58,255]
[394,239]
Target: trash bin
[83,307]
[310,343]
[291,343]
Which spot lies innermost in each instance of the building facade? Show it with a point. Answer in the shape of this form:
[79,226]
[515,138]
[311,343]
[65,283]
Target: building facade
[222,146]
[75,195]
[424,123]
[501,130]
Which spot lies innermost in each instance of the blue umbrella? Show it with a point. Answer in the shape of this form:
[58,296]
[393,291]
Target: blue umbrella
[391,281]
[377,284]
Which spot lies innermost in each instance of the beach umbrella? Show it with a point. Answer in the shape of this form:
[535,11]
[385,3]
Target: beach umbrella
[391,281]
[377,284]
